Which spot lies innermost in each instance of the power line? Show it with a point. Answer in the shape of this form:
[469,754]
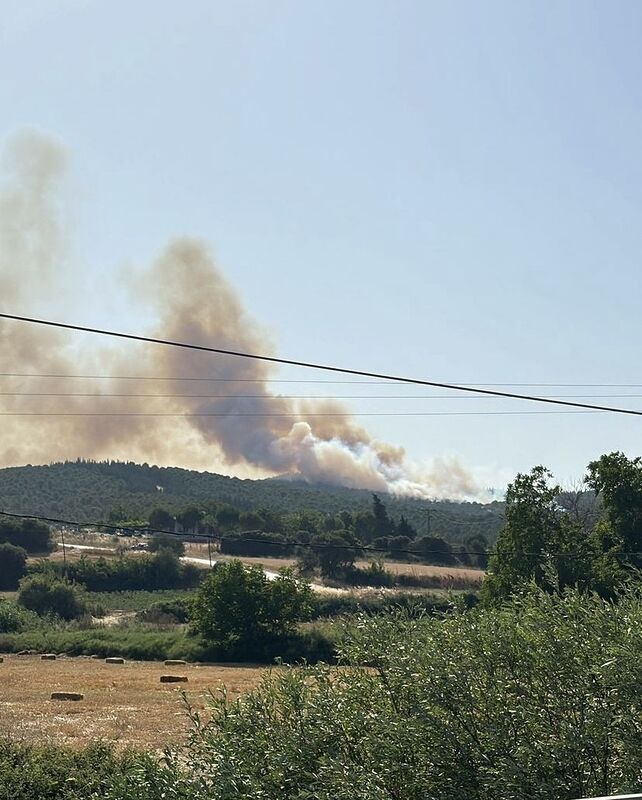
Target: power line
[233,379]
[270,397]
[214,537]
[311,365]
[290,543]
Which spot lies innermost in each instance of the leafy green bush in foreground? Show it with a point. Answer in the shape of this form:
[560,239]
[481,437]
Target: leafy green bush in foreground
[52,773]
[533,700]
[15,618]
[536,700]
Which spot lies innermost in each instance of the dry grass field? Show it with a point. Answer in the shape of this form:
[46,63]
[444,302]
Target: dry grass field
[401,568]
[396,567]
[125,704]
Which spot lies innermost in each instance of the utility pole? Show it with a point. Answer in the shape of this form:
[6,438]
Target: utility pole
[209,550]
[64,550]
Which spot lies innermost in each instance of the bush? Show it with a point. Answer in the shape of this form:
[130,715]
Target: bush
[165,612]
[238,607]
[163,570]
[13,566]
[15,618]
[257,544]
[535,700]
[46,594]
[33,536]
[165,541]
[30,772]
[375,574]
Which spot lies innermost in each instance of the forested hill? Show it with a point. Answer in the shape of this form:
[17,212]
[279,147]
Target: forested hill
[90,491]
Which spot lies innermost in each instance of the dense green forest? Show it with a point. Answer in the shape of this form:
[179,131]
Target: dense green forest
[90,491]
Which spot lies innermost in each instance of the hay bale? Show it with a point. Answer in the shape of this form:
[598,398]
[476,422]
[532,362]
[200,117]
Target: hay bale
[1,660]
[174,662]
[26,653]
[173,679]
[67,696]
[48,657]
[95,656]
[114,660]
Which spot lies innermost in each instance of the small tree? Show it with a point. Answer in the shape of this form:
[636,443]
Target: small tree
[335,552]
[398,546]
[238,608]
[13,566]
[383,526]
[46,594]
[161,518]
[165,541]
[190,518]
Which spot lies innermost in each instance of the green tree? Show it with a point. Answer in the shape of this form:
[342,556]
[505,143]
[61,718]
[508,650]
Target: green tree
[165,541]
[434,550]
[13,566]
[238,607]
[335,551]
[33,536]
[46,594]
[531,532]
[364,526]
[398,546]
[618,482]
[227,517]
[382,524]
[161,519]
[477,548]
[190,517]
[404,528]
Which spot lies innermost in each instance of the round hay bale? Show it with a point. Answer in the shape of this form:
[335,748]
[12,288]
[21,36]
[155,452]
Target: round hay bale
[1,660]
[174,662]
[26,653]
[67,696]
[48,657]
[114,660]
[95,655]
[173,679]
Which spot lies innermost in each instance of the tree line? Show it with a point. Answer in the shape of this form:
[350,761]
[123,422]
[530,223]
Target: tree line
[590,539]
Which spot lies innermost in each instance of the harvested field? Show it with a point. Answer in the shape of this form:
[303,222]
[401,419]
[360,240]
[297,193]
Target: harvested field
[403,568]
[127,704]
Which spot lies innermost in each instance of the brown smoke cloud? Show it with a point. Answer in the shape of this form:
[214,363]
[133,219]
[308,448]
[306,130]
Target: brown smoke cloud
[246,429]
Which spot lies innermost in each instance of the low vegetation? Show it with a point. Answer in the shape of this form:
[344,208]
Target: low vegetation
[531,693]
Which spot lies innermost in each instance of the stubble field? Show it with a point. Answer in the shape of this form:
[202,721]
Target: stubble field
[123,703]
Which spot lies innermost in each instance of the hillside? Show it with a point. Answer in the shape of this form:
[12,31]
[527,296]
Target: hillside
[89,491]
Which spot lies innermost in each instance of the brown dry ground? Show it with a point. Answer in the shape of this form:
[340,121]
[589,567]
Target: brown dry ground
[397,567]
[125,704]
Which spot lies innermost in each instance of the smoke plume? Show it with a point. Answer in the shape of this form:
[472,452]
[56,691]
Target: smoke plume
[236,424]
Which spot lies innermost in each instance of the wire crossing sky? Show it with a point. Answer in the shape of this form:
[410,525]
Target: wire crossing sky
[448,188]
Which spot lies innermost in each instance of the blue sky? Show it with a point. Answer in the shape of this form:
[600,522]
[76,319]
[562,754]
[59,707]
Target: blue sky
[445,190]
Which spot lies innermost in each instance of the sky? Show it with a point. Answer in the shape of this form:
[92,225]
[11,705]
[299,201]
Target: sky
[443,190]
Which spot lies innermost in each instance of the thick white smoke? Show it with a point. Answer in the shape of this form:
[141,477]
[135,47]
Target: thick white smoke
[246,429]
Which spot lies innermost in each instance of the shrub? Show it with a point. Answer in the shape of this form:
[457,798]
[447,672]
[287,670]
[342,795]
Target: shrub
[165,612]
[13,565]
[239,607]
[29,772]
[538,700]
[163,570]
[46,594]
[15,618]
[165,541]
[33,536]
[256,543]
